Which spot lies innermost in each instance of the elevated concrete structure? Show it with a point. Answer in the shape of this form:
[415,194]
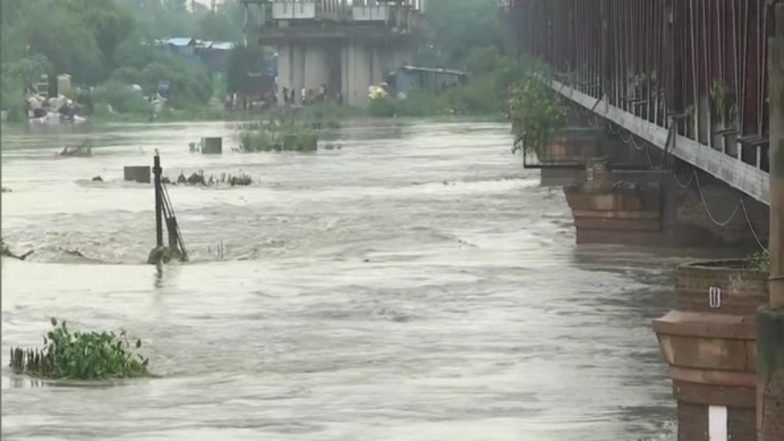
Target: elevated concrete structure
[341,45]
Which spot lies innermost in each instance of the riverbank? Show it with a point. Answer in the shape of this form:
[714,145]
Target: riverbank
[331,112]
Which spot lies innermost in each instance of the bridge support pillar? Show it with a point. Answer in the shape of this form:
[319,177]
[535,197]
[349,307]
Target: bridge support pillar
[347,68]
[308,66]
[366,63]
[709,343]
[619,200]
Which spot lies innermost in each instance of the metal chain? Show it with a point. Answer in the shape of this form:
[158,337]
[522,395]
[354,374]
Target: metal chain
[707,209]
[751,226]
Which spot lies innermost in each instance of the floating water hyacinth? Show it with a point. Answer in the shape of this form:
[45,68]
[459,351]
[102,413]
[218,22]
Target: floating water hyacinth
[81,356]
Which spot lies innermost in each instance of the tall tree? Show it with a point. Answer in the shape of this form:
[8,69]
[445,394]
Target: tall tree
[456,26]
[243,63]
[109,24]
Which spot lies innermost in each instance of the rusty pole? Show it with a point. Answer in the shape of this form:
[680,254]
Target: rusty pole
[776,244]
[770,320]
[156,169]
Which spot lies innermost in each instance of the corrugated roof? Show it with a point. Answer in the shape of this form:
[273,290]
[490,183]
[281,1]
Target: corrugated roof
[180,41]
[222,45]
[434,70]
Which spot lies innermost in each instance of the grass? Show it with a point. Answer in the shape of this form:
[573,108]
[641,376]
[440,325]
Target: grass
[289,132]
[81,356]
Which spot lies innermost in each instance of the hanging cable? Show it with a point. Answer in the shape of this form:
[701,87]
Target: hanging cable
[707,209]
[751,226]
[678,181]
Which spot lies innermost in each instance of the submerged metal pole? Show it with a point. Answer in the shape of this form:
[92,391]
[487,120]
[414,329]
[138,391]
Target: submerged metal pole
[156,169]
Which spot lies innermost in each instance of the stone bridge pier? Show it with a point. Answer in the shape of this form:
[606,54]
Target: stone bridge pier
[622,191]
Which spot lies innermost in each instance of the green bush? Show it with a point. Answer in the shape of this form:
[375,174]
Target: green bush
[190,85]
[760,262]
[382,107]
[127,75]
[81,356]
[121,97]
[276,136]
[537,112]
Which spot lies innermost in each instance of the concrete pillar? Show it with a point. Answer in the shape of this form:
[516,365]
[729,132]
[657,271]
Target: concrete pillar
[316,67]
[709,341]
[770,321]
[350,67]
[302,66]
[285,66]
[366,63]
[357,73]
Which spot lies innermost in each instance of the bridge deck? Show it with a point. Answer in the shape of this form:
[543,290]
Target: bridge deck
[646,65]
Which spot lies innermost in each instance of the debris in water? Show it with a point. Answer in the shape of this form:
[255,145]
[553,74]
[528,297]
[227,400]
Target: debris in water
[164,255]
[7,252]
[197,179]
[75,253]
[79,151]
[240,180]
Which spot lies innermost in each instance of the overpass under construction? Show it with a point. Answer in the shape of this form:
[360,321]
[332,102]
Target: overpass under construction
[342,45]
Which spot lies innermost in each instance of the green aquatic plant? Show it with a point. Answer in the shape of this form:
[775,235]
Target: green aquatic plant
[536,112]
[81,356]
[760,262]
[266,136]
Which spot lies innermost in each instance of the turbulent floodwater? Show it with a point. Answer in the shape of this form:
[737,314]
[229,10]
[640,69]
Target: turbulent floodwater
[415,284]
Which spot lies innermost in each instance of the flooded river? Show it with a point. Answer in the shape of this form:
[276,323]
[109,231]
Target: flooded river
[415,284]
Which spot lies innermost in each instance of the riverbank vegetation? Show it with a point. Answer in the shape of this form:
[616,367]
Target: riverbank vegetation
[81,356]
[536,111]
[277,136]
[113,53]
[117,54]
[481,53]
[760,262]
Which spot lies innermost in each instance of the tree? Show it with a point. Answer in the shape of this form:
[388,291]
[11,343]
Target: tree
[218,26]
[243,61]
[66,42]
[109,24]
[456,26]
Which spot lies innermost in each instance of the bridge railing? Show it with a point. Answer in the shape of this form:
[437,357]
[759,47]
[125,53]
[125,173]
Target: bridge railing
[696,66]
[270,13]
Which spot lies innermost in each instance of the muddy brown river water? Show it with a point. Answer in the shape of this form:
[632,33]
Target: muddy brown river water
[416,284]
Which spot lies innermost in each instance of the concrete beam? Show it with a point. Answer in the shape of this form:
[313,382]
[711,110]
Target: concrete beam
[737,174]
[266,36]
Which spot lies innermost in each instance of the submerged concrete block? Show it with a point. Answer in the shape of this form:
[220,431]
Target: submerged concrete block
[137,173]
[212,146]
